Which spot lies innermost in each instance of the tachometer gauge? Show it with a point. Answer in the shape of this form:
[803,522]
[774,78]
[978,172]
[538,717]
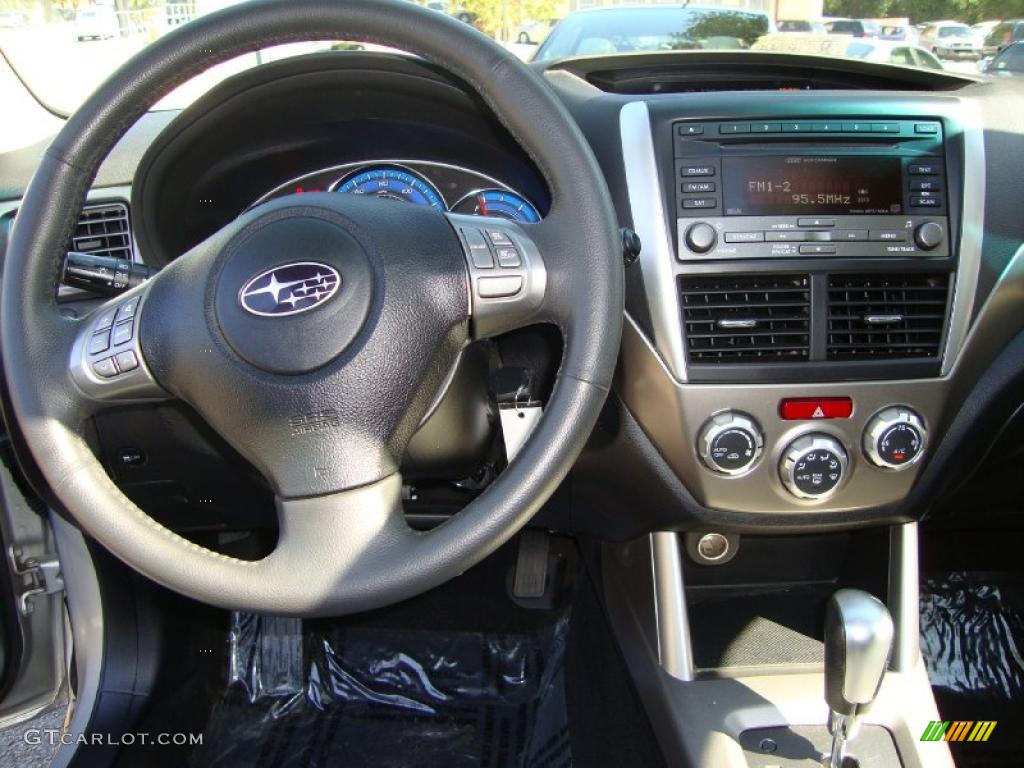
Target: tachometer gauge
[499,203]
[390,183]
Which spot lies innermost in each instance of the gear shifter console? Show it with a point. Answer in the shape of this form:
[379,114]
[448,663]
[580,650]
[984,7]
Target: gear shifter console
[858,641]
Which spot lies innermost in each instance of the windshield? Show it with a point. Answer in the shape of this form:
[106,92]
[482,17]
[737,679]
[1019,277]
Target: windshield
[63,49]
[958,31]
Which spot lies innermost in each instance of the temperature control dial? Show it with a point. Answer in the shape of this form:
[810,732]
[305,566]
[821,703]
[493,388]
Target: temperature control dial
[895,438]
[730,443]
[813,466]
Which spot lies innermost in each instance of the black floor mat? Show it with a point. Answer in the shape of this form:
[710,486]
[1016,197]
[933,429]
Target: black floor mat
[972,639]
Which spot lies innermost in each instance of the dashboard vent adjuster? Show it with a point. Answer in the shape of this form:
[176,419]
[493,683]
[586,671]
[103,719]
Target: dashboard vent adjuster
[103,229]
[746,318]
[886,317]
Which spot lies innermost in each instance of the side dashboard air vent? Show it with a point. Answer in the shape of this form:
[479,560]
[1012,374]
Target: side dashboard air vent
[103,229]
[746,318]
[890,317]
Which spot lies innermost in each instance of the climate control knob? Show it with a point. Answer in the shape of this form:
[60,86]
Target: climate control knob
[700,237]
[813,466]
[730,443]
[929,235]
[895,438]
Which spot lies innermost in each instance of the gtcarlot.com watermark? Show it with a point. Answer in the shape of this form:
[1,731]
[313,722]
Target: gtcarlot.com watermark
[53,737]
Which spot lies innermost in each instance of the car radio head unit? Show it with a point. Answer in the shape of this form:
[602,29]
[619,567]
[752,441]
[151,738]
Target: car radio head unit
[810,188]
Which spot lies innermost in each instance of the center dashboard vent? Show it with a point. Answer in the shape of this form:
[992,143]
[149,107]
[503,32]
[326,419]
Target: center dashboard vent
[872,317]
[103,229]
[746,318]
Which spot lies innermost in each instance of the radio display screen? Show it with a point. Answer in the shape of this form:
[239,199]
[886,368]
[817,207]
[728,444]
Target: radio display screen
[807,184]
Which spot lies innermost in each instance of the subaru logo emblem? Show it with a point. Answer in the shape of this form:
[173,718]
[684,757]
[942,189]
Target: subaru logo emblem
[289,289]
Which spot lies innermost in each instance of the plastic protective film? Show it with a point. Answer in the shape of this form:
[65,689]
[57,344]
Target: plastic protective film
[972,635]
[328,695]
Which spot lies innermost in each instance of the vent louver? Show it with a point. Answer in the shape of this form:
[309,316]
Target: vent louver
[103,229]
[890,317]
[746,318]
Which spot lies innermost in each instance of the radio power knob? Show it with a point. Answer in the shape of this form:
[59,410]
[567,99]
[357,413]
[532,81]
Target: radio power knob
[895,438]
[929,235]
[700,237]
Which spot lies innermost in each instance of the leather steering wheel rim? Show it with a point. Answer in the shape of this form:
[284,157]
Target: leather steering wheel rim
[341,549]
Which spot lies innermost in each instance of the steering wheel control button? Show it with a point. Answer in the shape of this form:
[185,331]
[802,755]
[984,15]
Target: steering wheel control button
[122,333]
[813,466]
[508,258]
[127,310]
[498,238]
[895,438]
[700,237]
[730,443]
[126,361]
[808,408]
[479,250]
[499,287]
[105,368]
[99,343]
[105,319]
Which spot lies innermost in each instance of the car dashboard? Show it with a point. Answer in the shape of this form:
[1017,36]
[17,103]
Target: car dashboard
[824,290]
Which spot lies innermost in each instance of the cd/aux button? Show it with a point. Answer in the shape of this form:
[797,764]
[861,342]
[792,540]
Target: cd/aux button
[744,237]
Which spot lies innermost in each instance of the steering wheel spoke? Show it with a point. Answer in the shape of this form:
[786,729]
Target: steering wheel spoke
[107,362]
[507,274]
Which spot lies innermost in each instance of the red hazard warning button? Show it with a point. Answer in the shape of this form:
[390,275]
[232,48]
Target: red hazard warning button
[798,408]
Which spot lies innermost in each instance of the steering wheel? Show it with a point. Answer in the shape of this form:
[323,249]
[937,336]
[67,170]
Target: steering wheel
[315,332]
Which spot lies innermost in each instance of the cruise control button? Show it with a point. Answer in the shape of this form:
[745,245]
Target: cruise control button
[127,310]
[499,287]
[122,333]
[126,361]
[479,251]
[888,235]
[699,202]
[698,186]
[105,368]
[697,170]
[99,342]
[105,319]
[508,258]
[744,237]
[925,202]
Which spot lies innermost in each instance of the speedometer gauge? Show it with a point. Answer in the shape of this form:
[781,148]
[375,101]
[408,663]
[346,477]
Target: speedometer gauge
[499,203]
[389,183]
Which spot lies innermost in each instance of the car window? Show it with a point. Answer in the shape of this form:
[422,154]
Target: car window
[958,30]
[927,59]
[901,56]
[626,30]
[1010,60]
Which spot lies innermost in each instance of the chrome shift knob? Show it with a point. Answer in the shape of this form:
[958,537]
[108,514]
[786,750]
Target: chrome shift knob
[858,641]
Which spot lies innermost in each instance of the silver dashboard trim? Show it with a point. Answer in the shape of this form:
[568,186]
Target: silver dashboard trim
[675,652]
[657,259]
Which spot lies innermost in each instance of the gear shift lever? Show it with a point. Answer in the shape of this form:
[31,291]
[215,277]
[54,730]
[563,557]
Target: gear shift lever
[858,640]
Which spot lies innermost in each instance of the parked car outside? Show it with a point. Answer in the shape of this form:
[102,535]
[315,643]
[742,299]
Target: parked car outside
[800,25]
[852,27]
[1008,63]
[893,52]
[535,32]
[899,33]
[950,40]
[1003,34]
[97,22]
